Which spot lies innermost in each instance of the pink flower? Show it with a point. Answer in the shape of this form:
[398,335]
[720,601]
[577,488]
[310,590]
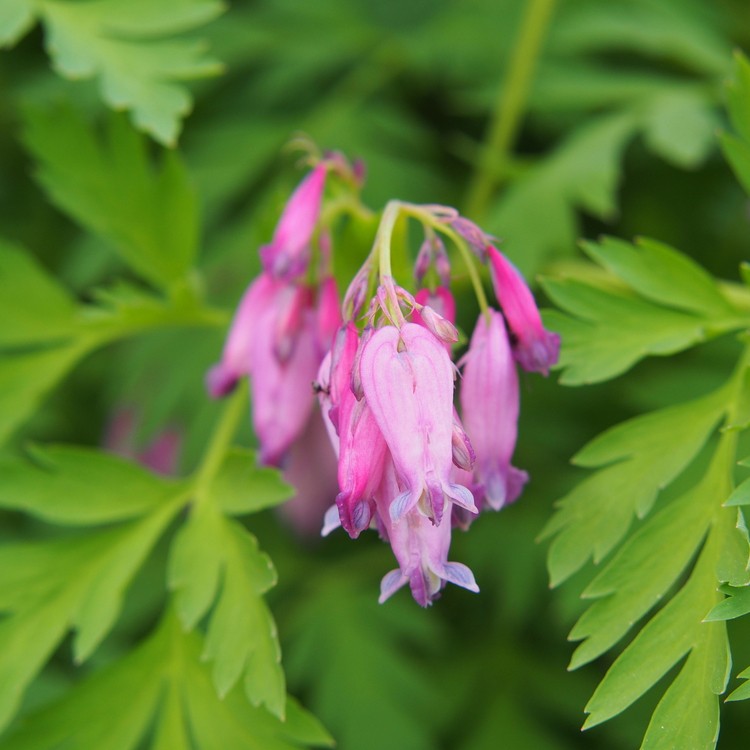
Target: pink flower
[421,549]
[361,447]
[407,380]
[237,356]
[535,348]
[288,254]
[490,403]
[278,337]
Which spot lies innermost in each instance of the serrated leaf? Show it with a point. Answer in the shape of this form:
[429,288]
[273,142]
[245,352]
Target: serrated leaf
[156,229]
[215,563]
[77,486]
[48,587]
[636,579]
[131,46]
[650,451]
[736,604]
[162,683]
[41,310]
[661,274]
[743,691]
[665,639]
[240,486]
[612,331]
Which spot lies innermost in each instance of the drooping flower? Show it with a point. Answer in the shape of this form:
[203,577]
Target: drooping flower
[407,380]
[535,348]
[489,407]
[420,547]
[288,253]
[361,447]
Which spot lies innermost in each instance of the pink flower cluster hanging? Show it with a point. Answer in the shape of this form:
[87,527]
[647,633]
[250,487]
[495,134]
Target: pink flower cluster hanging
[408,462]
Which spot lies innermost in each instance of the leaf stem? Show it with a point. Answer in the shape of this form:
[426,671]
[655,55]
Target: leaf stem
[222,435]
[509,107]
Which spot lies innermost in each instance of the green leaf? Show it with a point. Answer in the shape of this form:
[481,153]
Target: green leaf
[645,455]
[736,604]
[536,217]
[16,18]
[161,684]
[635,580]
[130,46]
[76,486]
[681,126]
[216,563]
[743,691]
[48,587]
[676,630]
[41,310]
[156,229]
[27,377]
[613,330]
[240,486]
[339,630]
[738,97]
[661,274]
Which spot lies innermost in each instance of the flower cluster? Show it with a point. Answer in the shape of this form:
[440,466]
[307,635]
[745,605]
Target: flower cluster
[409,463]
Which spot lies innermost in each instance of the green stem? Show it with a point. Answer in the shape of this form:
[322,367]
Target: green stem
[382,244]
[221,439]
[509,106]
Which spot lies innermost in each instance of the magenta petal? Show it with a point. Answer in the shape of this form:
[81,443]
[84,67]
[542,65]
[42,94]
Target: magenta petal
[328,312]
[535,348]
[407,380]
[421,549]
[287,254]
[281,391]
[236,359]
[490,405]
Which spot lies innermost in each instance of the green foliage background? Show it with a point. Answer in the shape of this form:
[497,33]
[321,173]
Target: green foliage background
[127,237]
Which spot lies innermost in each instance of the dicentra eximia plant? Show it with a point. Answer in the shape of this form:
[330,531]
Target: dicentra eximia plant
[383,355]
[409,464]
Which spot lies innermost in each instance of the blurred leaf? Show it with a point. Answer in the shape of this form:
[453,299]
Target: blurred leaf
[661,274]
[681,127]
[41,310]
[130,46]
[537,215]
[163,685]
[108,185]
[27,377]
[76,486]
[338,631]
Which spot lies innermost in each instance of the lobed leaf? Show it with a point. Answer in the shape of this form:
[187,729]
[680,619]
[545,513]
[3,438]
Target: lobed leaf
[130,46]
[215,565]
[649,453]
[70,485]
[165,701]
